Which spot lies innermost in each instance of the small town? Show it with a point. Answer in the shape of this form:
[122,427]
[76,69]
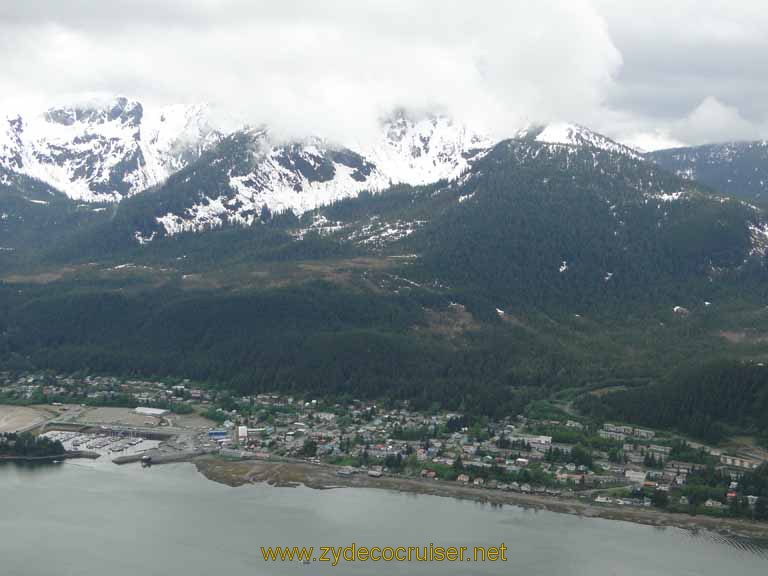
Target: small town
[606,463]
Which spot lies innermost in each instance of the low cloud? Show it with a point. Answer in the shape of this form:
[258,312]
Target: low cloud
[714,121]
[334,68]
[333,71]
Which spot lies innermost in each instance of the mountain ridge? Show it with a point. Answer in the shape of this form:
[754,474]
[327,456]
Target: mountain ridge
[738,169]
[544,266]
[117,150]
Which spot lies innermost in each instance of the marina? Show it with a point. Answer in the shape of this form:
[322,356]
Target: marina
[105,444]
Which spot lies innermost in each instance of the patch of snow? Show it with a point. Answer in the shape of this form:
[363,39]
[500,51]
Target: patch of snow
[420,151]
[759,236]
[664,197]
[558,134]
[380,233]
[321,225]
[283,189]
[565,134]
[142,239]
[410,283]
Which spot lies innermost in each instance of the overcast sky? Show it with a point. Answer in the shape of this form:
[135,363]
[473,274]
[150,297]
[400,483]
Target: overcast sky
[649,72]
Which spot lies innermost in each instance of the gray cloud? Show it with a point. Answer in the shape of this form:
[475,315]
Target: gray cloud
[683,58]
[333,68]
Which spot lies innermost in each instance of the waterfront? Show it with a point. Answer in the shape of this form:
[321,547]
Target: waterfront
[93,518]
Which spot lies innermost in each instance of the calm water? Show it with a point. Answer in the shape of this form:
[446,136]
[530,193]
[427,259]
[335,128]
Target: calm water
[98,519]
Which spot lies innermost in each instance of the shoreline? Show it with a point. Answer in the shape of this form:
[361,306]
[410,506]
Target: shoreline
[236,473]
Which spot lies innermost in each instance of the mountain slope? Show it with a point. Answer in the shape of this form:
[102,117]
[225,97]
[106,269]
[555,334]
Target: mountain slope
[561,226]
[34,216]
[738,169]
[249,174]
[543,269]
[529,221]
[550,225]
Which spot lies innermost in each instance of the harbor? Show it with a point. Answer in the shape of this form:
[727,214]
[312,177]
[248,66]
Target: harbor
[105,444]
[111,435]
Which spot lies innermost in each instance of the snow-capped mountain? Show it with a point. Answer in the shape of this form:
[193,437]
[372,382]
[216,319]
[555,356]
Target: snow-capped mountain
[103,152]
[253,171]
[249,170]
[113,150]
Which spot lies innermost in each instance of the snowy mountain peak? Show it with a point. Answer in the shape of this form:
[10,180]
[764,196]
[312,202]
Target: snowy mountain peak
[561,133]
[119,109]
[104,151]
[423,150]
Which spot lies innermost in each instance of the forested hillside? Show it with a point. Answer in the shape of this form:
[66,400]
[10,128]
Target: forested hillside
[588,229]
[738,169]
[704,401]
[33,216]
[545,271]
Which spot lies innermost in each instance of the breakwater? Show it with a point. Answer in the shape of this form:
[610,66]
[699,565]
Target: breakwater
[53,458]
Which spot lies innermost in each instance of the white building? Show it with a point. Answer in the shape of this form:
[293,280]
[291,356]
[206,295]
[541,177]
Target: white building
[635,476]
